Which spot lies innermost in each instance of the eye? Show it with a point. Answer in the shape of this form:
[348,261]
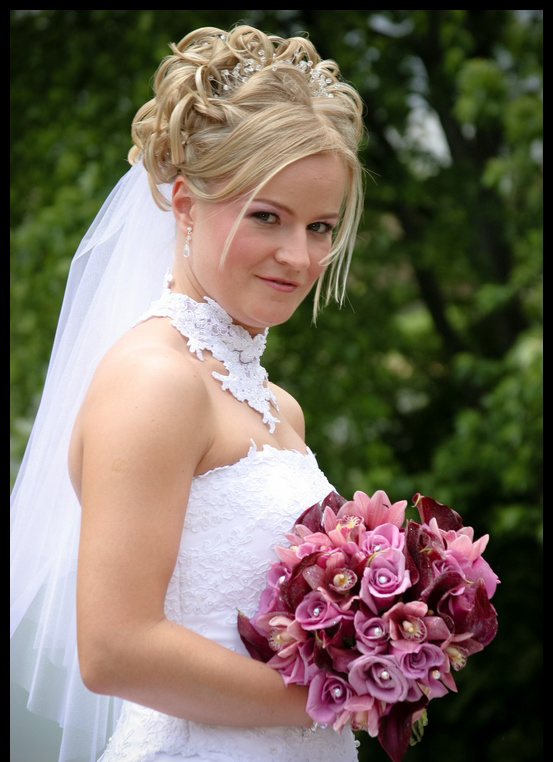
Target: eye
[321,227]
[266,217]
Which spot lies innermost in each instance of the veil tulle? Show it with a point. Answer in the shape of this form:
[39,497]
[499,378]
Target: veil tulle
[117,271]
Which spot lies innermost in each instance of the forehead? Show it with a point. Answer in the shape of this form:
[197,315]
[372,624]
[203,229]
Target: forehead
[313,181]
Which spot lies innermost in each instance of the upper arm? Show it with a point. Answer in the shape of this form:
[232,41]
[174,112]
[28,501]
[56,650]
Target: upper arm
[144,427]
[290,409]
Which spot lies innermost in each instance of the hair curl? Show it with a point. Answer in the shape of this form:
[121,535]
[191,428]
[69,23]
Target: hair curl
[229,134]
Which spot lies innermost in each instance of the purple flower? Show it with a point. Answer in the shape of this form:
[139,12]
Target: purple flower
[384,577]
[379,676]
[326,698]
[381,538]
[315,612]
[422,662]
[297,666]
[270,598]
[371,633]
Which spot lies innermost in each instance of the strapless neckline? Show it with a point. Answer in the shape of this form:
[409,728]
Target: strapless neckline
[254,453]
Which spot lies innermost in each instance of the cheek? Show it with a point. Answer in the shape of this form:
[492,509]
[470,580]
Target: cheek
[317,269]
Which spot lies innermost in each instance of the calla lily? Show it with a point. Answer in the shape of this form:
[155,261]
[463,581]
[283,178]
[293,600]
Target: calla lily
[395,728]
[313,516]
[429,508]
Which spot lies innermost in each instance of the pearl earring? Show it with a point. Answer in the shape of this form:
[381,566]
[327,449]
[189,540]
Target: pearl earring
[186,252]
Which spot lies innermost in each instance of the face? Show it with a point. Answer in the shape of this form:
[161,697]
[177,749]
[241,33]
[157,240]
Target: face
[275,255]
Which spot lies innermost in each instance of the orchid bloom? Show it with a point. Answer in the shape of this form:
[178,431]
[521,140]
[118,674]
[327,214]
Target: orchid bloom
[374,510]
[284,633]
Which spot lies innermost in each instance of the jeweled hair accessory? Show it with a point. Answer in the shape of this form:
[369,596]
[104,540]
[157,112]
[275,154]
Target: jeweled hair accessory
[318,81]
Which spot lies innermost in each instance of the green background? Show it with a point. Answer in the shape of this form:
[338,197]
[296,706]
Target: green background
[430,377]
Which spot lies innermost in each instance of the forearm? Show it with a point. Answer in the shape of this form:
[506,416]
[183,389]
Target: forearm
[175,671]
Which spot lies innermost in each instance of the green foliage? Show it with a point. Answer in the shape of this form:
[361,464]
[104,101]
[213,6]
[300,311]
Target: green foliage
[430,378]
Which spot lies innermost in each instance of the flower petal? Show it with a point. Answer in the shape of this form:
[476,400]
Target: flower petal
[395,728]
[429,508]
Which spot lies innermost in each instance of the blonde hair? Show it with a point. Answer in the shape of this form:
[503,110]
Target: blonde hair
[232,109]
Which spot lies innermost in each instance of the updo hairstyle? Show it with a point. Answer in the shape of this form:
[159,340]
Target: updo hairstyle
[232,109]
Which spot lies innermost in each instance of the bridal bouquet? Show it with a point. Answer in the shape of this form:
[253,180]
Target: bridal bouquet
[374,614]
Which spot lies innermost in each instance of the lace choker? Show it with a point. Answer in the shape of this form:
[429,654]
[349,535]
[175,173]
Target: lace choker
[207,326]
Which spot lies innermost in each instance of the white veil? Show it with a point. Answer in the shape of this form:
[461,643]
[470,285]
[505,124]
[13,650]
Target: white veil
[117,271]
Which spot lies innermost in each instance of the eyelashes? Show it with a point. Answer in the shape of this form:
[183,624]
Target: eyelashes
[322,227]
[267,217]
[270,218]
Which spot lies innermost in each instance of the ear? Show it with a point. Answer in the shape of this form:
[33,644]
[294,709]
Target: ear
[183,203]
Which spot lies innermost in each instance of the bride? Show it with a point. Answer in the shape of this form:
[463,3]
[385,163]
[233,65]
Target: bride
[188,465]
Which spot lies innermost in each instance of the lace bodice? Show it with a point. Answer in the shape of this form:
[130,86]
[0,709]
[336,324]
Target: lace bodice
[235,515]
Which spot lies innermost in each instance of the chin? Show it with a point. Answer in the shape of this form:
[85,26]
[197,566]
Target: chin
[260,323]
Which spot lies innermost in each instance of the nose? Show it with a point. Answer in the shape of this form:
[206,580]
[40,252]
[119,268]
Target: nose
[293,251]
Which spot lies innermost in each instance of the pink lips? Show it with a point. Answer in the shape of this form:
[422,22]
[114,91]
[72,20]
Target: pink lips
[286,286]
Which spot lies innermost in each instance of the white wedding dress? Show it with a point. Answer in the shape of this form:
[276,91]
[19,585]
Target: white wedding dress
[236,514]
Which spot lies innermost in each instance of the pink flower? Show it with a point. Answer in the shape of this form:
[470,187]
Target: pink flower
[384,578]
[371,633]
[460,545]
[461,542]
[374,618]
[315,612]
[283,632]
[381,538]
[327,696]
[333,578]
[270,598]
[481,569]
[365,713]
[296,667]
[410,625]
[422,662]
[375,510]
[379,676]
[314,543]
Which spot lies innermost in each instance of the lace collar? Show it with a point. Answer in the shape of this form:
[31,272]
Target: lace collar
[207,326]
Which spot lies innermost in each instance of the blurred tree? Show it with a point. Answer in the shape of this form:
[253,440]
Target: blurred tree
[430,378]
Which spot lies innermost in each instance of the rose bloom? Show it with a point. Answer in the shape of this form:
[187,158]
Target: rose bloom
[317,613]
[298,666]
[381,538]
[371,633]
[419,663]
[379,676]
[384,578]
[326,698]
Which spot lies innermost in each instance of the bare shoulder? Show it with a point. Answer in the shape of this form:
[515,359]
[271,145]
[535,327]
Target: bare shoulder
[145,369]
[147,396]
[290,409]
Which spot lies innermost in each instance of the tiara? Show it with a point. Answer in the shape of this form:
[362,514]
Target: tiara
[318,81]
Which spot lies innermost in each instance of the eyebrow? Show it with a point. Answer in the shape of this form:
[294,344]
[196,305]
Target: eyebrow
[288,210]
